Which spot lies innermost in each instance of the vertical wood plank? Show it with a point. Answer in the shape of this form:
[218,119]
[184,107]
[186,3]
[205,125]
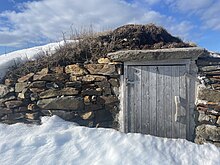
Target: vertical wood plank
[124,100]
[145,100]
[189,98]
[175,92]
[160,101]
[184,109]
[137,99]
[168,106]
[189,114]
[130,104]
[153,99]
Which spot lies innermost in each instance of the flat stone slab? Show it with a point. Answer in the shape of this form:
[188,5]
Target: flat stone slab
[13,103]
[209,95]
[62,103]
[54,93]
[101,69]
[208,132]
[4,90]
[157,54]
[75,69]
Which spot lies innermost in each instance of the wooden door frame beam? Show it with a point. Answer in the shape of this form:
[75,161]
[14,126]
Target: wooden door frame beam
[160,62]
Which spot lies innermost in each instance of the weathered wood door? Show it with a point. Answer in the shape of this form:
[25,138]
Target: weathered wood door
[156,100]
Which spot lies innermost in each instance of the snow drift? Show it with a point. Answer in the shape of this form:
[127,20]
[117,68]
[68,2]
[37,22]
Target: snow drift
[60,142]
[21,56]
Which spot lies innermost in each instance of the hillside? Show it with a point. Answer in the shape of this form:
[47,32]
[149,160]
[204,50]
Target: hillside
[91,46]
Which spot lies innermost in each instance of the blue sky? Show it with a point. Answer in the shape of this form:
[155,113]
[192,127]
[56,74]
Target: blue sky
[24,23]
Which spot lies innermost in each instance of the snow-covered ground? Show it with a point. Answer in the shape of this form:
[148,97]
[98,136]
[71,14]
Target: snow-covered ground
[60,142]
[16,57]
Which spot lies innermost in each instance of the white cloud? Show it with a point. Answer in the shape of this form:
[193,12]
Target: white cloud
[12,1]
[152,2]
[207,11]
[47,19]
[182,30]
[210,16]
[189,5]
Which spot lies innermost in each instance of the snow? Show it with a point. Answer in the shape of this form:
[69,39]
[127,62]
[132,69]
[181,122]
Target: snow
[60,142]
[20,56]
[214,54]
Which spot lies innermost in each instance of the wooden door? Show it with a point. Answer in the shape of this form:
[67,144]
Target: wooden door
[156,100]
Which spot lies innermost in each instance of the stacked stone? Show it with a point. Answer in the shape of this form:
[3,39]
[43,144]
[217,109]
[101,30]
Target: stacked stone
[208,107]
[83,93]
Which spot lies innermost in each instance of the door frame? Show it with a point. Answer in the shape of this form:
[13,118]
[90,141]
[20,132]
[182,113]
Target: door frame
[191,69]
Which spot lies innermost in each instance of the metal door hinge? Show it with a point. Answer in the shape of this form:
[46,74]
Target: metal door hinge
[128,82]
[192,77]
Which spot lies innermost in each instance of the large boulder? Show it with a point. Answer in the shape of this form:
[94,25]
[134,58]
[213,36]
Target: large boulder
[26,77]
[91,92]
[87,115]
[43,71]
[209,95]
[19,87]
[62,103]
[38,84]
[203,118]
[3,100]
[58,69]
[10,82]
[218,121]
[25,94]
[66,115]
[89,78]
[103,84]
[208,133]
[13,103]
[74,84]
[4,90]
[75,69]
[54,93]
[51,77]
[110,99]
[114,82]
[103,115]
[103,69]
[32,116]
[104,61]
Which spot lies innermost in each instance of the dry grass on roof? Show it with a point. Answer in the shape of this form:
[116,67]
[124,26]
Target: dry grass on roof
[92,46]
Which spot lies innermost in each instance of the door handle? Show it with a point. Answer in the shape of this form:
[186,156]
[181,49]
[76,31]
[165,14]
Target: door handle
[177,103]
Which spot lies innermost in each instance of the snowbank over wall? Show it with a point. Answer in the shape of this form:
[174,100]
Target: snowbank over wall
[20,56]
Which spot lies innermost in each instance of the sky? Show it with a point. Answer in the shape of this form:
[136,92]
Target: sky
[28,23]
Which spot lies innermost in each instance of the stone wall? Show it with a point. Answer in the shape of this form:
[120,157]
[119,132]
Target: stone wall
[208,103]
[83,93]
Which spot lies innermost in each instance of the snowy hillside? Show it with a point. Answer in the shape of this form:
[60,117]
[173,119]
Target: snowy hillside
[16,57]
[60,142]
